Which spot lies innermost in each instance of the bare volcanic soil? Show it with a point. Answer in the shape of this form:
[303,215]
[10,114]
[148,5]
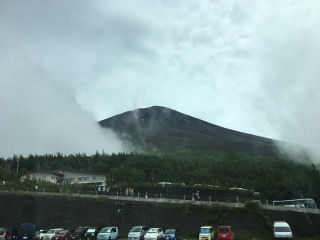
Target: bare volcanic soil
[70,212]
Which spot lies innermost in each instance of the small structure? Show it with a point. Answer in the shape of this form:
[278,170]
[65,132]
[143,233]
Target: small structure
[66,176]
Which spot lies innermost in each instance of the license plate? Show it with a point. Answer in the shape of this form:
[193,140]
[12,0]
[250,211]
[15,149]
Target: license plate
[25,237]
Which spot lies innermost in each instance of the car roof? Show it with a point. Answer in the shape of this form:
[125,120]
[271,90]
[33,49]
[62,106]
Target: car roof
[280,223]
[207,227]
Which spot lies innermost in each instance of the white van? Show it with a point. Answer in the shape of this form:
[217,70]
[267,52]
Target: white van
[206,233]
[282,230]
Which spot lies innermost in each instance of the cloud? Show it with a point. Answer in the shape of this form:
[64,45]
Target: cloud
[40,116]
[248,66]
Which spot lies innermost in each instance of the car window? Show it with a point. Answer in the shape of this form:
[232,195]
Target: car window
[135,229]
[223,229]
[105,230]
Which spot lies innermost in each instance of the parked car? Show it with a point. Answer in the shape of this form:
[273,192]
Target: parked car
[6,233]
[92,233]
[108,233]
[171,234]
[42,232]
[225,233]
[28,231]
[206,233]
[79,233]
[50,234]
[14,233]
[137,232]
[153,234]
[282,230]
[62,235]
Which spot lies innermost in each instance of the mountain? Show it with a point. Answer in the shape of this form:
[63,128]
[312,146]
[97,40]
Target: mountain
[164,129]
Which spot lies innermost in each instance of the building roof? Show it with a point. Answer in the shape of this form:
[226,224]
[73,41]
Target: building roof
[60,171]
[43,171]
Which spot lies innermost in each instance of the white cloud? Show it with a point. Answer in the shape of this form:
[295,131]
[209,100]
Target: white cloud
[248,66]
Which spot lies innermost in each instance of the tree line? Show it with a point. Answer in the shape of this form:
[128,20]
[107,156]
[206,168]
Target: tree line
[275,178]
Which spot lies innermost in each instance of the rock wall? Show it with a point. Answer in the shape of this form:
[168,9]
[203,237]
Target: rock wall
[51,211]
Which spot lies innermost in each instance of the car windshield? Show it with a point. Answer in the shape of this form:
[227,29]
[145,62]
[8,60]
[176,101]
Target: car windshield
[170,231]
[79,230]
[135,229]
[153,230]
[50,231]
[223,229]
[282,229]
[26,231]
[90,230]
[205,230]
[105,230]
[62,231]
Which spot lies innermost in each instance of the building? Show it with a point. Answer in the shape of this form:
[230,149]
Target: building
[66,176]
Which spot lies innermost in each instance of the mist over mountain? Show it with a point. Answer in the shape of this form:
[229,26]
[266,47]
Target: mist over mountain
[164,129]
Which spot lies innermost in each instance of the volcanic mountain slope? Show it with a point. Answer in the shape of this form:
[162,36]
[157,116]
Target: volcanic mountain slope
[164,129]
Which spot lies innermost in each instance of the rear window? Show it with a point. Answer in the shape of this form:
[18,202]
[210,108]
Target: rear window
[282,229]
[62,231]
[223,229]
[170,231]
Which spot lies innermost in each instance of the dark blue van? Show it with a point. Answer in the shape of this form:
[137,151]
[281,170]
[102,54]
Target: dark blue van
[28,231]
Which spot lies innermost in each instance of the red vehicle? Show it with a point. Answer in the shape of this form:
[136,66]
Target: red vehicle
[62,235]
[225,233]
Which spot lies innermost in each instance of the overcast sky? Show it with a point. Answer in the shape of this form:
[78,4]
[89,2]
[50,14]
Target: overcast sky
[251,66]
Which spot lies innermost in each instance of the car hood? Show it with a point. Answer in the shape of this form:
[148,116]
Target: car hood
[134,234]
[48,234]
[151,234]
[169,234]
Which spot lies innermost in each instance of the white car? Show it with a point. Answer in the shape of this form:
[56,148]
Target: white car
[282,230]
[51,232]
[42,232]
[153,234]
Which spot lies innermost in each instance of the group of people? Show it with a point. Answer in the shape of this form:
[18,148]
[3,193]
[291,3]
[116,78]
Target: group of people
[101,190]
[128,192]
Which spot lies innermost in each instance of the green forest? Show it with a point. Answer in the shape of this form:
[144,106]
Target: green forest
[274,178]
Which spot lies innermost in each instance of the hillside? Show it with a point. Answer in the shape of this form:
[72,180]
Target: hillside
[164,129]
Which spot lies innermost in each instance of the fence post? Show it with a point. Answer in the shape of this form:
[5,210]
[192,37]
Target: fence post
[184,197]
[160,195]
[78,191]
[44,190]
[138,194]
[60,190]
[209,198]
[237,200]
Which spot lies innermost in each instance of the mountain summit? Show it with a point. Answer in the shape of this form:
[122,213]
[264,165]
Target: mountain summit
[165,129]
